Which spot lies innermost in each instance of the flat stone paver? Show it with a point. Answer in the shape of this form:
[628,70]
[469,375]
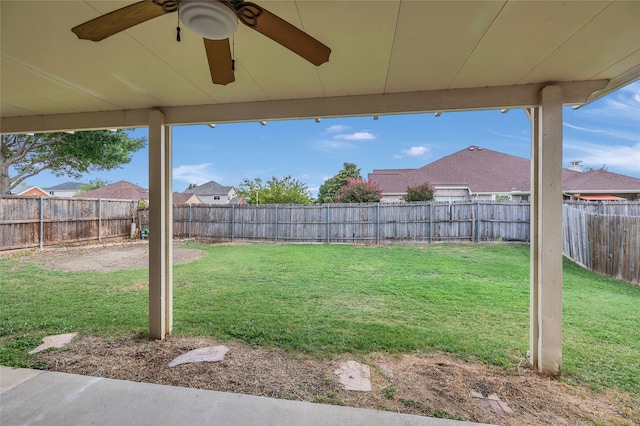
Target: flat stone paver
[209,354]
[55,341]
[355,376]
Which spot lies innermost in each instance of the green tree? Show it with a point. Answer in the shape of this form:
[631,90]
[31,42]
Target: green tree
[422,192]
[604,168]
[331,187]
[23,156]
[93,184]
[191,186]
[359,191]
[275,191]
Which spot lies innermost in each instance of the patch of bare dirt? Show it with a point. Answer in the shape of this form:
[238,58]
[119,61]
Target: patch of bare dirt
[438,385]
[104,257]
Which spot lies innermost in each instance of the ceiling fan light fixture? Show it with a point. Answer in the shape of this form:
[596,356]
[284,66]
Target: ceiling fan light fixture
[209,19]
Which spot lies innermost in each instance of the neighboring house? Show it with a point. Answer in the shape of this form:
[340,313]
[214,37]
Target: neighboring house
[67,189]
[475,173]
[185,198]
[213,193]
[34,191]
[122,190]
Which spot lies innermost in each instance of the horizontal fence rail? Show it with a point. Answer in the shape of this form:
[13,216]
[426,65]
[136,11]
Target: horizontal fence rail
[359,223]
[44,221]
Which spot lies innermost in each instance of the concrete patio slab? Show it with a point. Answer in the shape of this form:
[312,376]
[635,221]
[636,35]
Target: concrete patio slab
[51,398]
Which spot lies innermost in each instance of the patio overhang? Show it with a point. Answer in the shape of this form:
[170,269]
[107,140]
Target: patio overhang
[388,57]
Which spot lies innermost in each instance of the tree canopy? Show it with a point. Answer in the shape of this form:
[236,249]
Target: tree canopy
[422,192]
[331,187]
[274,191]
[93,184]
[359,191]
[72,154]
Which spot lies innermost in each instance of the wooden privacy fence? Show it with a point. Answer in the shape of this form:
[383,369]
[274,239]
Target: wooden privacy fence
[369,223]
[38,222]
[604,243]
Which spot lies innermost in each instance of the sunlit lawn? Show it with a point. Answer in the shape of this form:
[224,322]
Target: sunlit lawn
[465,299]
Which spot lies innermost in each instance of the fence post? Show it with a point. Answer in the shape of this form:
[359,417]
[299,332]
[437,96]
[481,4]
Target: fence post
[328,226]
[99,219]
[477,221]
[378,223]
[233,222]
[431,222]
[604,207]
[41,223]
[189,232]
[275,231]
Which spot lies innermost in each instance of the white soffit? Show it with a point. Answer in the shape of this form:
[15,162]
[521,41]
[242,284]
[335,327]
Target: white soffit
[387,57]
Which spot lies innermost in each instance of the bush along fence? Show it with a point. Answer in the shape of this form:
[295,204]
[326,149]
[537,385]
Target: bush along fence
[43,221]
[605,243]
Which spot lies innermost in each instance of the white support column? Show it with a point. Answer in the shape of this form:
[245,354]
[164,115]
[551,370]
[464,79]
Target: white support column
[160,228]
[546,232]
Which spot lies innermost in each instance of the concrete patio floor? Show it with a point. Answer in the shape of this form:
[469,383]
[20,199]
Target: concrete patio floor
[33,397]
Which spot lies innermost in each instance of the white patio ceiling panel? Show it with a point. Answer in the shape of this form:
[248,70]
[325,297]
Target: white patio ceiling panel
[378,47]
[432,45]
[508,52]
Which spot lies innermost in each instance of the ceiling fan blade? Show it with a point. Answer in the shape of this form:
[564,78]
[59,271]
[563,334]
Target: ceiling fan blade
[220,62]
[119,20]
[280,31]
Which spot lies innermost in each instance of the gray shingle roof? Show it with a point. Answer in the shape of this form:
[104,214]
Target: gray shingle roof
[484,170]
[122,190]
[210,188]
[67,186]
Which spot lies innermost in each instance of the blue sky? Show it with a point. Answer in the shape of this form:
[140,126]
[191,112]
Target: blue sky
[606,131]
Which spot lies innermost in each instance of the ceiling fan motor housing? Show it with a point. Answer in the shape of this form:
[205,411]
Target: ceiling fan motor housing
[209,19]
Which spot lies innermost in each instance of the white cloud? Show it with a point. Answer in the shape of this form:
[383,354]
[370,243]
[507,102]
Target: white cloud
[197,173]
[332,145]
[506,135]
[623,104]
[634,137]
[416,151]
[337,128]
[584,129]
[357,136]
[616,157]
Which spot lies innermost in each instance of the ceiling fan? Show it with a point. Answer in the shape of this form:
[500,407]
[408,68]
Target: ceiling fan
[215,21]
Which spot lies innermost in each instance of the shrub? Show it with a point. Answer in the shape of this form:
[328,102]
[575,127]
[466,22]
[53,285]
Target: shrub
[422,192]
[359,191]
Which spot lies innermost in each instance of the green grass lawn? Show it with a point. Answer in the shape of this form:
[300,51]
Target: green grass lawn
[465,299]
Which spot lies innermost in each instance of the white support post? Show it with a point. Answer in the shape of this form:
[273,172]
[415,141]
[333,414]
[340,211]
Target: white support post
[546,232]
[160,228]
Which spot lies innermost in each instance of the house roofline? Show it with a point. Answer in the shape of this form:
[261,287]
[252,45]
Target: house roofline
[601,191]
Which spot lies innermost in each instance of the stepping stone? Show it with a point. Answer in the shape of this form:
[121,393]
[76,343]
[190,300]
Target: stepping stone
[56,341]
[209,354]
[354,376]
[493,402]
[386,368]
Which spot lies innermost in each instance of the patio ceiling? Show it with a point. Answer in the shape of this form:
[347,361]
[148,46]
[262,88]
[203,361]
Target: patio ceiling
[387,57]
